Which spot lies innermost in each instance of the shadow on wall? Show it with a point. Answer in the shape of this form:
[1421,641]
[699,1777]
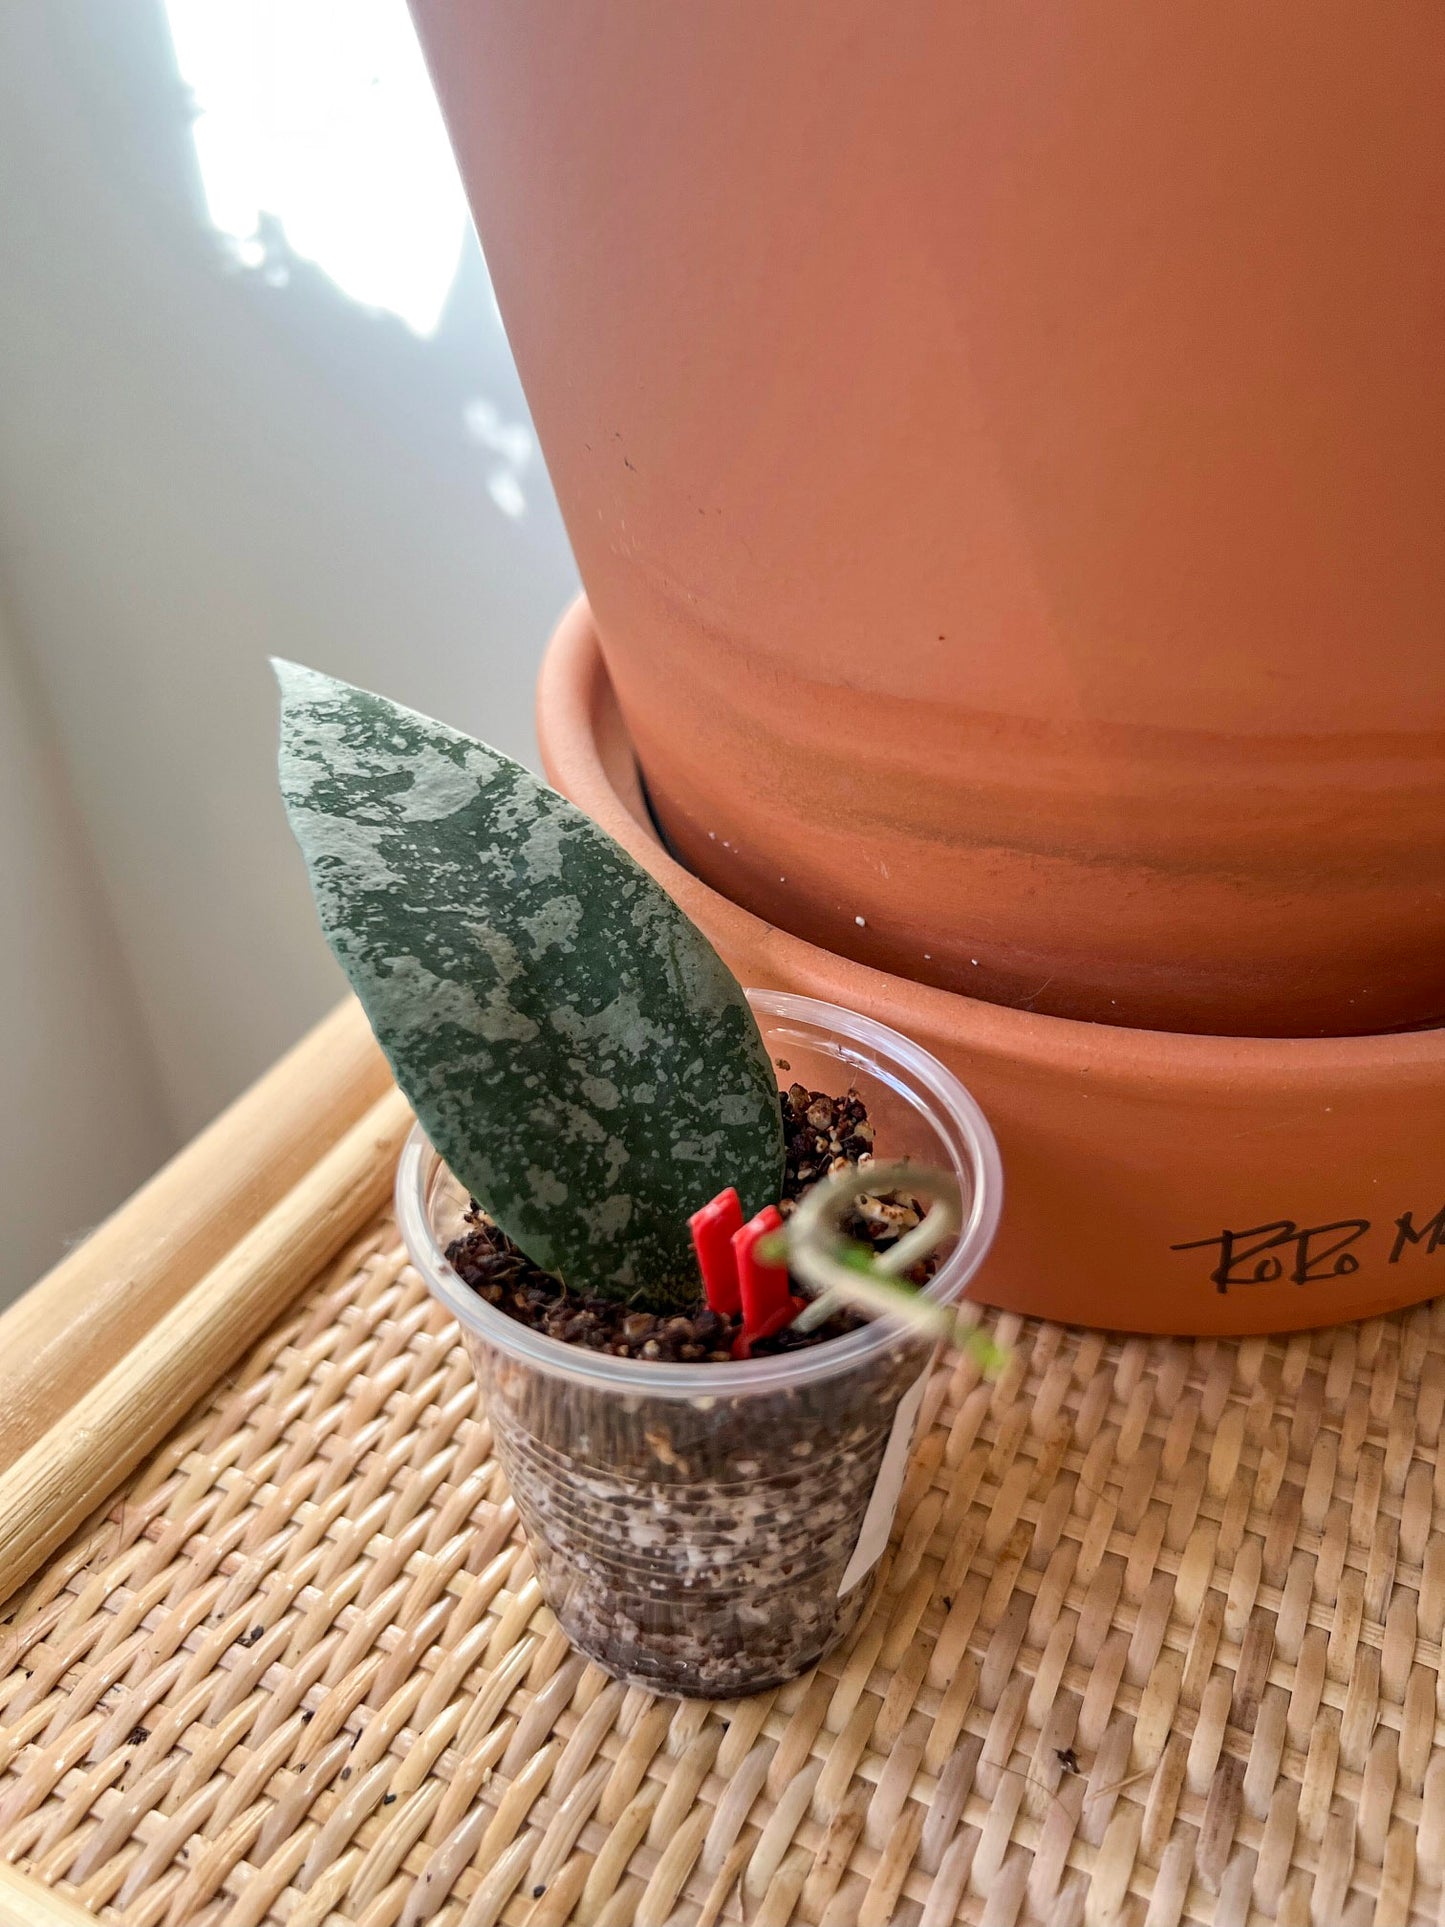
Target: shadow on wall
[208,456]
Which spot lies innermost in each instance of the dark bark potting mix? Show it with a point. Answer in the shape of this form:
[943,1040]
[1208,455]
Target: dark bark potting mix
[821,1133]
[710,1544]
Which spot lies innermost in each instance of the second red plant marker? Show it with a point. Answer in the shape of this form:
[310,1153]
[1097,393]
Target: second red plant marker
[767,1304]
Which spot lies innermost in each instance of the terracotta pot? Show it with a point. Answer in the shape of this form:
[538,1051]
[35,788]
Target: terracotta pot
[1004,448]
[1152,1182]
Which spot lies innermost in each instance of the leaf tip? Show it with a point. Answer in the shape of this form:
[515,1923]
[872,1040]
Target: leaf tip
[296,681]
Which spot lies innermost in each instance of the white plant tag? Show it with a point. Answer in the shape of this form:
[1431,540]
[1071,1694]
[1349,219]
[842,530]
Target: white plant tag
[878,1519]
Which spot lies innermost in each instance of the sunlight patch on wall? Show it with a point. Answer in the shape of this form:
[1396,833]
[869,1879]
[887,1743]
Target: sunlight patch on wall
[319,113]
[511,443]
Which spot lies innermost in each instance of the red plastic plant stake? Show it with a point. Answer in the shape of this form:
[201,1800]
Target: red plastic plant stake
[712,1230]
[767,1304]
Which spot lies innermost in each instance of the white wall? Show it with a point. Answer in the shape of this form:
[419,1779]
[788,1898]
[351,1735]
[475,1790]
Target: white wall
[82,1119]
[202,464]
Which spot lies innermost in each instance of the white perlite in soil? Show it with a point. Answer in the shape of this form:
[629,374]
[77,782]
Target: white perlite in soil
[697,1545]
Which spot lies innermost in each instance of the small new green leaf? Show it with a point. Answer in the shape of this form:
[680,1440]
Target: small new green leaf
[577,1051]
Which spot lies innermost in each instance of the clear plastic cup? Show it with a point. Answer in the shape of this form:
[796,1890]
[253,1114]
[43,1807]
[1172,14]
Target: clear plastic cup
[710,1529]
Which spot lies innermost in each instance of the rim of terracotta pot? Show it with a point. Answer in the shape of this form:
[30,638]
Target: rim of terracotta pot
[587,751]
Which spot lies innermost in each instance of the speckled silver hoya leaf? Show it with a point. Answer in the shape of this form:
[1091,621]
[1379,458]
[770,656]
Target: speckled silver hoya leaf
[577,1051]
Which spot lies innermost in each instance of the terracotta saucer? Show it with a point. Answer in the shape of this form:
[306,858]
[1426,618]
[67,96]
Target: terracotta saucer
[1154,1181]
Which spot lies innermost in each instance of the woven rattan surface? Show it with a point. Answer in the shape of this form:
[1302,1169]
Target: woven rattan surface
[1158,1640]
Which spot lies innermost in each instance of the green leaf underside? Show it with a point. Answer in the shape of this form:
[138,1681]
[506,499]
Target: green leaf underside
[574,1047]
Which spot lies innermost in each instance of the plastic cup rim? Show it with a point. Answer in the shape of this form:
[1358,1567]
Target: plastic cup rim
[975,1158]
